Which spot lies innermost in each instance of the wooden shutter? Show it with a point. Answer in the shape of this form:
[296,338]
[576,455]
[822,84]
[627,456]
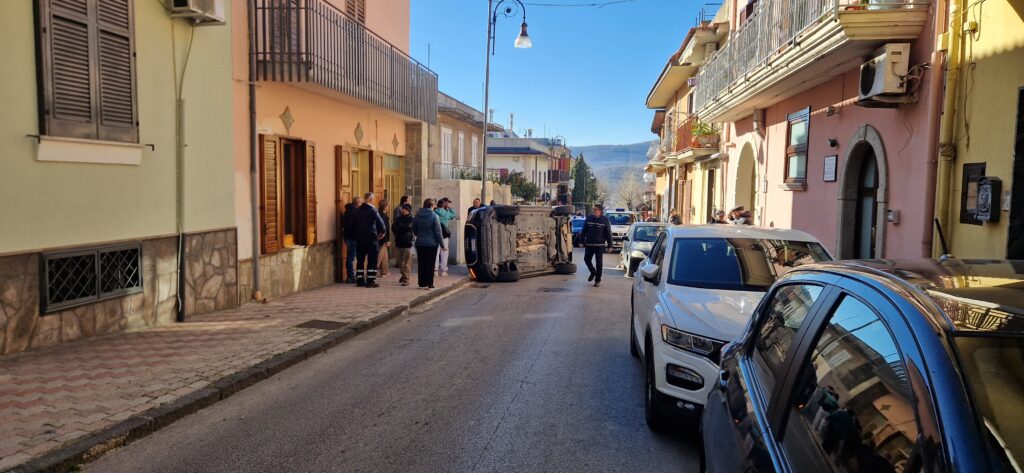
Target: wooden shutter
[69,101]
[343,195]
[270,203]
[356,9]
[377,173]
[310,193]
[115,62]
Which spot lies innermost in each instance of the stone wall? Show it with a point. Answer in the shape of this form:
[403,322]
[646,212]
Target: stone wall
[289,271]
[211,271]
[22,327]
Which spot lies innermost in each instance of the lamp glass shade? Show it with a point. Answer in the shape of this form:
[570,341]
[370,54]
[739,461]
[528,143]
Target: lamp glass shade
[523,40]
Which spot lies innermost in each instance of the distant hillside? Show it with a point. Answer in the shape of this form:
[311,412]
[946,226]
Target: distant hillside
[613,156]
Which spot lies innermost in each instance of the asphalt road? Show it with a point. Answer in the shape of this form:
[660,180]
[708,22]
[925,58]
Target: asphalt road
[500,378]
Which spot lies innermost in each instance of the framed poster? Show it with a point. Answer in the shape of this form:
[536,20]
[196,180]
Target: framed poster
[830,168]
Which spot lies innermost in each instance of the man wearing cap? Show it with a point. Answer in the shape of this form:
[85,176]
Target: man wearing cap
[739,216]
[718,218]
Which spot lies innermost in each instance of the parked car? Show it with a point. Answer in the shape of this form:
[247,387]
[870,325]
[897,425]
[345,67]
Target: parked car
[696,292]
[637,244]
[577,227]
[876,366]
[620,219]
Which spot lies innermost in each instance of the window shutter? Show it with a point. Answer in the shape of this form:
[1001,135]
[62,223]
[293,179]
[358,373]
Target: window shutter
[343,195]
[116,71]
[269,187]
[69,105]
[310,193]
[356,9]
[377,170]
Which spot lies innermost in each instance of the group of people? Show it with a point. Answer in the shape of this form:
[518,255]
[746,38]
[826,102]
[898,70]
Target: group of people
[368,230]
[737,216]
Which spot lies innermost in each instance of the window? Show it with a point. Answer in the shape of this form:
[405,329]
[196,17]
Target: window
[969,193]
[84,276]
[288,192]
[87,69]
[476,151]
[738,264]
[796,148]
[356,9]
[462,148]
[852,401]
[780,321]
[446,145]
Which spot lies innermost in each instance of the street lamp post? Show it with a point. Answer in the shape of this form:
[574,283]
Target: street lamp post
[522,41]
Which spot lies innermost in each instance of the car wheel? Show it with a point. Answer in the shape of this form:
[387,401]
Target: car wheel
[565,268]
[655,419]
[506,210]
[563,210]
[634,349]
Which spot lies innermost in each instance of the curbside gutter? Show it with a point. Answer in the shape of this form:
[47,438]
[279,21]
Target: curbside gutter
[92,446]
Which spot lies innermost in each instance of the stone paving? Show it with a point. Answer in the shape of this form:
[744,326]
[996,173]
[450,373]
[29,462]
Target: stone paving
[55,395]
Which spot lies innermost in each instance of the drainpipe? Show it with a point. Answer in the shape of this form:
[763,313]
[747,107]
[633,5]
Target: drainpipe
[254,170]
[179,160]
[947,125]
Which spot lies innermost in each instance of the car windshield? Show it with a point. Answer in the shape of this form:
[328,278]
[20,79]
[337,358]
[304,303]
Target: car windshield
[647,233]
[994,367]
[738,264]
[621,218]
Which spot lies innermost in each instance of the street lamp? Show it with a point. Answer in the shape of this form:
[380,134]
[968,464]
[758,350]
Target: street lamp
[511,8]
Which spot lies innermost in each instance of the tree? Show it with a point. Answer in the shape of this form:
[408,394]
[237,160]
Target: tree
[521,187]
[584,182]
[630,190]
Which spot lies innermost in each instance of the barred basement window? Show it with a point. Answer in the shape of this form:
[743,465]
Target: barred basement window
[74,278]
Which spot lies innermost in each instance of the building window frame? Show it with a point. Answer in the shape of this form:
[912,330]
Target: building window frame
[106,272]
[475,153]
[446,145]
[462,148]
[795,166]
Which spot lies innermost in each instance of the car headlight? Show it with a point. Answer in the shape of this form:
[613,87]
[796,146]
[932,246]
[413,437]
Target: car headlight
[694,343]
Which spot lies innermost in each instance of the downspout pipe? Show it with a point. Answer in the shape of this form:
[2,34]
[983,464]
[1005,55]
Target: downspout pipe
[947,125]
[254,170]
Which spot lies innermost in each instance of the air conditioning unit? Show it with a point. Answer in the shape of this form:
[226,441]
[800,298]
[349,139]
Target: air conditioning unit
[883,77]
[202,12]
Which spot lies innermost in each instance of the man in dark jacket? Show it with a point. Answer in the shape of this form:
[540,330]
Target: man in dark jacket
[369,229]
[596,237]
[402,228]
[349,234]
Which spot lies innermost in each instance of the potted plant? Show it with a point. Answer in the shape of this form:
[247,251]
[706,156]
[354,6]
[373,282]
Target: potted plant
[704,134]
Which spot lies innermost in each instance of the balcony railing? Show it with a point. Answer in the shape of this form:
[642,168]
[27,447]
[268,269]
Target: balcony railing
[313,41]
[556,175]
[449,171]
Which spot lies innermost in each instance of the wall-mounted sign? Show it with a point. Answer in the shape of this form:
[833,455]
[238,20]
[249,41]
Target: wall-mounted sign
[990,189]
[830,168]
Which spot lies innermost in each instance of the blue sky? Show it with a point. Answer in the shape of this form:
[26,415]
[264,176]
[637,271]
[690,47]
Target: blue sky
[586,77]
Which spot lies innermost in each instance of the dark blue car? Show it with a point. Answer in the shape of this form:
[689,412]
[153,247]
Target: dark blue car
[577,227]
[876,366]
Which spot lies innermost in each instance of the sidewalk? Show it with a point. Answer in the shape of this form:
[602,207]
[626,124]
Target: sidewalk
[74,401]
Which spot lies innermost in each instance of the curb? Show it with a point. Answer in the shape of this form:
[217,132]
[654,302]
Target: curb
[94,445]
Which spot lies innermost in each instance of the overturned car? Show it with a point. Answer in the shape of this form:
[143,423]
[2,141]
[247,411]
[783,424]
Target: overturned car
[505,242]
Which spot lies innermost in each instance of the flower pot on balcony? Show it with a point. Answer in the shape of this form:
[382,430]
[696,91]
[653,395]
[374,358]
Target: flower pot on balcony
[707,141]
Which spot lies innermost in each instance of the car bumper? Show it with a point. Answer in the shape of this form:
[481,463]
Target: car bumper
[677,395]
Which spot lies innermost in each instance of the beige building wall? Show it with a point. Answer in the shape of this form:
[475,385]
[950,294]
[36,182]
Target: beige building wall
[59,204]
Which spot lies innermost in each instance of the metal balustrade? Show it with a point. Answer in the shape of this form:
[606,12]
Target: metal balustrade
[313,41]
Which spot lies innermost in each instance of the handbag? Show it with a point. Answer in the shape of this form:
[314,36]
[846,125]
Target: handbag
[445,232]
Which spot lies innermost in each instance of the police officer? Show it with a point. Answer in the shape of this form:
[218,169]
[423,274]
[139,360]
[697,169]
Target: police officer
[369,230]
[596,236]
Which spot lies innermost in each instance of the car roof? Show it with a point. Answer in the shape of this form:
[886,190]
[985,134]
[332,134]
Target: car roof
[650,224]
[737,231]
[972,295]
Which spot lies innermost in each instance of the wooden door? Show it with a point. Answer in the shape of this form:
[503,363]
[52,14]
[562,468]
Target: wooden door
[377,174]
[686,210]
[343,195]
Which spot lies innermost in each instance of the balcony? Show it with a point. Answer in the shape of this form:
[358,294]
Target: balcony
[788,46]
[451,172]
[556,176]
[689,141]
[313,42]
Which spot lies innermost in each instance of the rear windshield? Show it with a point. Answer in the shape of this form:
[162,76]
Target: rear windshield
[621,218]
[647,233]
[738,264]
[994,368]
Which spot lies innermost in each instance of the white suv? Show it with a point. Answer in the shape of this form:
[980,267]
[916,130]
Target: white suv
[695,293]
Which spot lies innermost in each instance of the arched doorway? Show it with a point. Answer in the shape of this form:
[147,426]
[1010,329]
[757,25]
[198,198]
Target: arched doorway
[746,179]
[862,198]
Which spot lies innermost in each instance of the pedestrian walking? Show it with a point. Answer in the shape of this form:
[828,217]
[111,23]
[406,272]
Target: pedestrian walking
[404,236]
[427,228]
[596,237]
[385,243]
[349,234]
[369,232]
[674,218]
[476,205]
[445,215]
[718,218]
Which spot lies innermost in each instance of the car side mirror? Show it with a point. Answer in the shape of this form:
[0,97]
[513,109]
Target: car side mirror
[650,272]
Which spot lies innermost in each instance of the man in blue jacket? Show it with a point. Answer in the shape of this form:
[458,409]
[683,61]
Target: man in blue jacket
[596,237]
[369,230]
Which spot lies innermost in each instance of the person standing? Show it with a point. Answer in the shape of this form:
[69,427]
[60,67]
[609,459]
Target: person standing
[476,205]
[404,236]
[445,215]
[348,226]
[674,217]
[740,216]
[385,243]
[597,238]
[398,208]
[719,218]
[427,228]
[369,232]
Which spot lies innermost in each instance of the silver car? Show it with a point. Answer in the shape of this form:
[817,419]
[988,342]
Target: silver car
[636,245]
